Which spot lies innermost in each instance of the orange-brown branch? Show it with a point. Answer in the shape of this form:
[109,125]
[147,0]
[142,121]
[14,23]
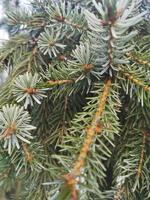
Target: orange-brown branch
[59,82]
[139,171]
[138,60]
[28,154]
[75,25]
[90,133]
[136,81]
[92,130]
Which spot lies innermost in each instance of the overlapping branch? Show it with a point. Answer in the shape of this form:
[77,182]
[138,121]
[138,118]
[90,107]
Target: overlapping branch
[68,22]
[136,81]
[90,133]
[28,154]
[141,160]
[138,60]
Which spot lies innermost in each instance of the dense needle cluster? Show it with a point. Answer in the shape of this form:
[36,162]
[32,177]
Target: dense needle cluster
[74,109]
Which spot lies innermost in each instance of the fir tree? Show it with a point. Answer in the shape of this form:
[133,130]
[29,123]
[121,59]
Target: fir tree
[75,108]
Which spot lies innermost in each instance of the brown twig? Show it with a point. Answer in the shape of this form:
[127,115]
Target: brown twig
[28,154]
[136,81]
[138,60]
[141,160]
[59,82]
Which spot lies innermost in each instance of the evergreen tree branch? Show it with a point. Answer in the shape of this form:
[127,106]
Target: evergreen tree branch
[137,59]
[134,162]
[31,58]
[141,160]
[136,81]
[91,131]
[59,13]
[52,83]
[69,47]
[59,82]
[20,18]
[28,154]
[68,22]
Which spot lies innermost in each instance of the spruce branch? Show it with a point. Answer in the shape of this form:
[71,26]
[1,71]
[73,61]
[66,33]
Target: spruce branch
[59,82]
[68,22]
[28,154]
[51,83]
[31,158]
[91,131]
[113,23]
[136,81]
[65,51]
[137,59]
[133,163]
[31,58]
[22,20]
[63,13]
[74,25]
[139,171]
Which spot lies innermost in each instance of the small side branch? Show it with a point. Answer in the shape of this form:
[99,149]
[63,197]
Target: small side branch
[31,58]
[110,46]
[141,160]
[77,26]
[74,25]
[138,60]
[28,154]
[52,83]
[59,82]
[136,81]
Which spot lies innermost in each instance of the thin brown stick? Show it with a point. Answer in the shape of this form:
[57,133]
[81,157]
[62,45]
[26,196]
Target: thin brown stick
[28,154]
[141,160]
[136,81]
[138,60]
[59,82]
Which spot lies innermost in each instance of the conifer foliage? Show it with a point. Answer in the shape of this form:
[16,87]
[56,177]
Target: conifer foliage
[75,108]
